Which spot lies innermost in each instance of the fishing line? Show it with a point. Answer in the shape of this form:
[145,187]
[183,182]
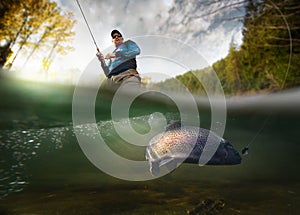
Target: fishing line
[245,150]
[86,22]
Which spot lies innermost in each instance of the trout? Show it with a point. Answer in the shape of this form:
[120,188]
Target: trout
[188,144]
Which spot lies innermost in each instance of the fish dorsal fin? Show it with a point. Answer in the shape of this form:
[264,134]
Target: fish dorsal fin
[173,126]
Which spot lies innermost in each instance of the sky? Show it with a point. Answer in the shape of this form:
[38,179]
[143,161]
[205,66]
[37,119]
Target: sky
[165,30]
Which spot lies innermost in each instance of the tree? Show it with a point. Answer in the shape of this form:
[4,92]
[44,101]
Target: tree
[52,18]
[32,25]
[266,48]
[269,57]
[10,27]
[60,37]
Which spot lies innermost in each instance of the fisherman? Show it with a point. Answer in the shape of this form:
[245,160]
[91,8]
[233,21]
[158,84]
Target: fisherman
[121,63]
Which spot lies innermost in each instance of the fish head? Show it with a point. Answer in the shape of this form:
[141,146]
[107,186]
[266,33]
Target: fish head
[226,154]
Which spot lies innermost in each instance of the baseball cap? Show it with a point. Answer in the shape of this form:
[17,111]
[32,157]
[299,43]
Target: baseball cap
[114,32]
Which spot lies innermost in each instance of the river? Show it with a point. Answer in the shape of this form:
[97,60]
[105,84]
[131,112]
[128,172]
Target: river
[43,169]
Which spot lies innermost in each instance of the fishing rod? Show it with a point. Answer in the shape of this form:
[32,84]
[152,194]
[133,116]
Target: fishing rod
[86,22]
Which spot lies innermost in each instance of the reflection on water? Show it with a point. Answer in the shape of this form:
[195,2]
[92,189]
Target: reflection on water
[19,146]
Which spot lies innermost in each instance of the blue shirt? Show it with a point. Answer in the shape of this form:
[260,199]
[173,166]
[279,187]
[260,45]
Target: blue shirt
[124,60]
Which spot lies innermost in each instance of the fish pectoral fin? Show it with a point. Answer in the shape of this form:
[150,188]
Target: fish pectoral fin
[165,160]
[154,168]
[171,165]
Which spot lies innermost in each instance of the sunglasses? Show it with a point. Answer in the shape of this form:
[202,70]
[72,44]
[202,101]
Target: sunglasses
[116,35]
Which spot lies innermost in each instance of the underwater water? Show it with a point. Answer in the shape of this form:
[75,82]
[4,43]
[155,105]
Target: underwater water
[43,170]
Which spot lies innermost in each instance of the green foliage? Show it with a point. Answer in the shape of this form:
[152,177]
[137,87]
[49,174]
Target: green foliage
[267,59]
[266,48]
[198,82]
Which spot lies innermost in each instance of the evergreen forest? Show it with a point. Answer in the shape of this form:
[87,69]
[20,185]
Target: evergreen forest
[268,60]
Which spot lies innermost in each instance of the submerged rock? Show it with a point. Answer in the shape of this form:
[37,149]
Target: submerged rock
[208,207]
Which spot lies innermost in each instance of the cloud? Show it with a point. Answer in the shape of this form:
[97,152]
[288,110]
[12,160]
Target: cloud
[209,26]
[186,21]
[131,17]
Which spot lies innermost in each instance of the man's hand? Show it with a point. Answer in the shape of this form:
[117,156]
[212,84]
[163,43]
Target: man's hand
[100,57]
[110,55]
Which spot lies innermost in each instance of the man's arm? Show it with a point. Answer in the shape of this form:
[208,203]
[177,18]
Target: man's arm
[131,50]
[103,64]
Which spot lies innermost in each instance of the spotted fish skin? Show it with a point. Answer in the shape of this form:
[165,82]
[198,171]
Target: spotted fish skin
[185,144]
